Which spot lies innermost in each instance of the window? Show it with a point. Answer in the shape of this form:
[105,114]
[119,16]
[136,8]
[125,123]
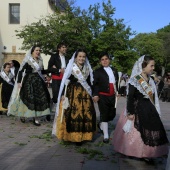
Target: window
[14,13]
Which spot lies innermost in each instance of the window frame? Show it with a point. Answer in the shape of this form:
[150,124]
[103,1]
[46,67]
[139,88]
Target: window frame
[12,18]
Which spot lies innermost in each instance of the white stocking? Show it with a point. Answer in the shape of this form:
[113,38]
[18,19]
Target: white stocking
[104,127]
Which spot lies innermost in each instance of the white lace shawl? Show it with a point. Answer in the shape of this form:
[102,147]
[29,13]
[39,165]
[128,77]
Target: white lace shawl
[9,77]
[137,70]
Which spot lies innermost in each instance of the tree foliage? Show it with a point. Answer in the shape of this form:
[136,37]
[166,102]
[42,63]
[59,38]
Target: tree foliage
[164,35]
[155,44]
[91,29]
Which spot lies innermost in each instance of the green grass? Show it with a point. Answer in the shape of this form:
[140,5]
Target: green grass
[92,153]
[20,144]
[46,135]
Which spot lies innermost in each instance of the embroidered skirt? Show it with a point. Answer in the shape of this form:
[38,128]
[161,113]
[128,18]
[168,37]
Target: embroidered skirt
[34,98]
[131,144]
[79,119]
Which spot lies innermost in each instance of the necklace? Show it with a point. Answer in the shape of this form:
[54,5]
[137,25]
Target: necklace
[6,72]
[36,59]
[145,78]
[80,66]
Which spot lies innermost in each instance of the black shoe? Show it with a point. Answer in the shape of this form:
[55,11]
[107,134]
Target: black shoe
[78,143]
[163,100]
[48,118]
[149,161]
[98,125]
[106,140]
[22,119]
[36,122]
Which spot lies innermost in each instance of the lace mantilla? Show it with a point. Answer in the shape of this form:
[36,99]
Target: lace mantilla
[134,82]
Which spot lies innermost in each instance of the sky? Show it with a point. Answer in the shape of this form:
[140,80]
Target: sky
[143,16]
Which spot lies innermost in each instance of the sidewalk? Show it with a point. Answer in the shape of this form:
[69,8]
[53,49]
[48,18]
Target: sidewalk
[27,147]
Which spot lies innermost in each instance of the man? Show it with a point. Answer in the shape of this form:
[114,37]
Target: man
[104,92]
[14,70]
[56,66]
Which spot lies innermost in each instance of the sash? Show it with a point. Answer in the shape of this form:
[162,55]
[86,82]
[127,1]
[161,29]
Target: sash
[6,78]
[146,87]
[81,79]
[37,67]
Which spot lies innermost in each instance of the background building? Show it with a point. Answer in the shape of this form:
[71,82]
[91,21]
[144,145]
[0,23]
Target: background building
[13,15]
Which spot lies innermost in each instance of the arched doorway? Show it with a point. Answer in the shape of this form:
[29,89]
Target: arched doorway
[16,57]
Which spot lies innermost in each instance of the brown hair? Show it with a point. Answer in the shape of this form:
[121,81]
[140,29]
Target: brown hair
[146,60]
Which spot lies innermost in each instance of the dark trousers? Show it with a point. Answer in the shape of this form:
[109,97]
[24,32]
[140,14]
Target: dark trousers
[55,89]
[107,108]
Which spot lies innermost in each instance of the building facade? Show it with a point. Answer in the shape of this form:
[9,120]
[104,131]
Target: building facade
[14,14]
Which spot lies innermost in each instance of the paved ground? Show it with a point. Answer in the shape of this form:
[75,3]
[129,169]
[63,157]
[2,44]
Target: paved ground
[27,147]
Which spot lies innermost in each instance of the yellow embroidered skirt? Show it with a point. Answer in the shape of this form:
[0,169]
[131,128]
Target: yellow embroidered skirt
[79,119]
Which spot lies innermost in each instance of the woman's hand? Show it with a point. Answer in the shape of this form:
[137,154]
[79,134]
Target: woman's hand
[95,99]
[62,70]
[62,98]
[19,85]
[131,117]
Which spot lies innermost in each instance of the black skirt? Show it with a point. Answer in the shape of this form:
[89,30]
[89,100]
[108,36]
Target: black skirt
[34,93]
[6,92]
[149,124]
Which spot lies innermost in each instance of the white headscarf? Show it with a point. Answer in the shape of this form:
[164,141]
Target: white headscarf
[67,74]
[137,70]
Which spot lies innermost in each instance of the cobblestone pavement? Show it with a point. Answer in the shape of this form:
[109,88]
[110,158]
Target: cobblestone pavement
[24,146]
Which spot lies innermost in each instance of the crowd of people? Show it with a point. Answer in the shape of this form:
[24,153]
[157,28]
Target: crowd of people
[77,90]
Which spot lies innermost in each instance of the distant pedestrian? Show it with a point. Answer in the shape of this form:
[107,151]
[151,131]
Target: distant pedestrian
[123,86]
[168,162]
[139,131]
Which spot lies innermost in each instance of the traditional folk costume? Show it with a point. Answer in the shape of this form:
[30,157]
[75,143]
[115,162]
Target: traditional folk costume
[105,86]
[7,81]
[78,121]
[145,137]
[33,99]
[59,62]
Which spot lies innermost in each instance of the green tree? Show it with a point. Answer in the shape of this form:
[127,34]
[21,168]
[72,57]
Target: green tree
[94,29]
[149,43]
[164,35]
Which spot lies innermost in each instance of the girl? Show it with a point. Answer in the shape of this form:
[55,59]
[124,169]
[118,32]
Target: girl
[147,137]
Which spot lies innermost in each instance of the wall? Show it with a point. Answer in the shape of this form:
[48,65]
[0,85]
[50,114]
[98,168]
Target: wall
[30,11]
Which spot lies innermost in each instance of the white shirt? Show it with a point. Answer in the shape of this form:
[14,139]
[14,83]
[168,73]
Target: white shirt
[63,62]
[122,83]
[12,70]
[110,74]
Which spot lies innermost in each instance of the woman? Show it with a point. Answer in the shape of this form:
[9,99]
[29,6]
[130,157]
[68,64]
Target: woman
[122,86]
[7,81]
[166,90]
[78,122]
[30,97]
[147,137]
